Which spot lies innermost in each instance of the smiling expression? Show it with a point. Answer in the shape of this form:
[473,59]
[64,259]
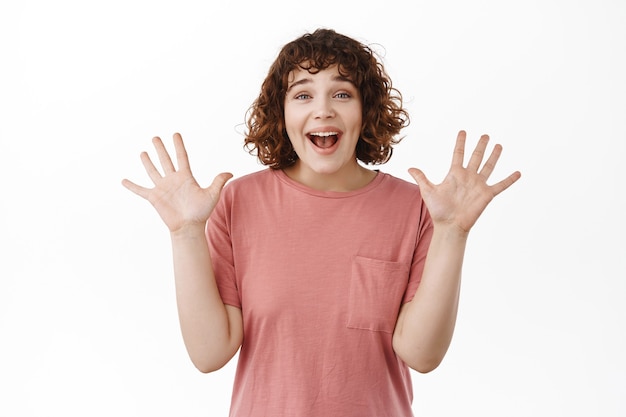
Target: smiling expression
[323,117]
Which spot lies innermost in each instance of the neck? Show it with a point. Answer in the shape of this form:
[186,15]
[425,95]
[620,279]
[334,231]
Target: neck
[349,178]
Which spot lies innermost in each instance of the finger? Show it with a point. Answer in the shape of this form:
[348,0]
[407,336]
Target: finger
[491,162]
[137,189]
[420,179]
[459,149]
[164,156]
[220,180]
[182,159]
[153,173]
[478,154]
[506,183]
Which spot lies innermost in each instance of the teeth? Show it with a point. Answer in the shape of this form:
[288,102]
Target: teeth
[323,134]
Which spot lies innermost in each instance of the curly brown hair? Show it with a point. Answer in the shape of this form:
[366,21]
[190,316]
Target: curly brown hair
[383,115]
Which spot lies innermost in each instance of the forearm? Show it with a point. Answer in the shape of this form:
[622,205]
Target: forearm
[210,335]
[426,324]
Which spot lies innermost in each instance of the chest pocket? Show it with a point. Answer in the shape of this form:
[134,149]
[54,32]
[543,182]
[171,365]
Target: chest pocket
[376,291]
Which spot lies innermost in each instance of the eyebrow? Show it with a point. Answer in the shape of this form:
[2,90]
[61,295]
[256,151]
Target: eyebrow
[303,81]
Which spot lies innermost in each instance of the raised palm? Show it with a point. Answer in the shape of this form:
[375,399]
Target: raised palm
[464,194]
[176,195]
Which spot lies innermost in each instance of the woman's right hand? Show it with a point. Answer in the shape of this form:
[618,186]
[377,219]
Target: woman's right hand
[176,195]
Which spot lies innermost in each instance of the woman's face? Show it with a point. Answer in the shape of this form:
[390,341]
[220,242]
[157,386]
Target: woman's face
[323,117]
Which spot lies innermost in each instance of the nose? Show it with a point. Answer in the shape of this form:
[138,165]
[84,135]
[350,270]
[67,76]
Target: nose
[324,109]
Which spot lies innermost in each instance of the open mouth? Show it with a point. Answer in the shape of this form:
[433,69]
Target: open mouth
[323,139]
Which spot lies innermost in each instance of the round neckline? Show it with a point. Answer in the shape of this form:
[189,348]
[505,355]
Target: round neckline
[282,176]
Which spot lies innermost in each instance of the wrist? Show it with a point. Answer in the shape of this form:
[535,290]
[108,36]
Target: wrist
[450,231]
[189,230]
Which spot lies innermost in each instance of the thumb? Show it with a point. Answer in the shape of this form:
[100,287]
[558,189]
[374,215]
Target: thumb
[220,180]
[420,178]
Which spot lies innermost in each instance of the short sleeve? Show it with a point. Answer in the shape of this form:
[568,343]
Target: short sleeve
[221,250]
[424,235]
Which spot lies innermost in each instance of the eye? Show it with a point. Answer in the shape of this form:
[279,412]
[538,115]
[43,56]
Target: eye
[343,95]
[302,96]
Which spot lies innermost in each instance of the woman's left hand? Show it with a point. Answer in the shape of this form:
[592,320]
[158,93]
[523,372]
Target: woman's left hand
[464,194]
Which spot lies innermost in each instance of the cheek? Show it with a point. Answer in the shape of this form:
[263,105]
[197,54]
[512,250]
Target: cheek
[358,124]
[291,132]
[291,118]
[357,117]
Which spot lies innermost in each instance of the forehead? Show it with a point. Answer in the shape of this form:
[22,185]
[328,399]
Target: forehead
[331,73]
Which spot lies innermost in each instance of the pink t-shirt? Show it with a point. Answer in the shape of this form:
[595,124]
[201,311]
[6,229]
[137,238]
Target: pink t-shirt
[319,277]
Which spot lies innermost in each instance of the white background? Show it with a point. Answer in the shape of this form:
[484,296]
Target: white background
[88,323]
